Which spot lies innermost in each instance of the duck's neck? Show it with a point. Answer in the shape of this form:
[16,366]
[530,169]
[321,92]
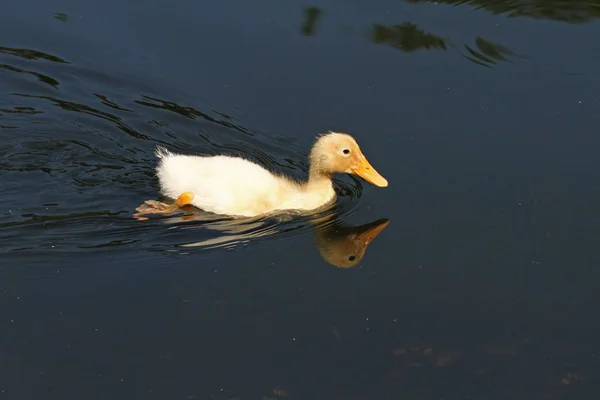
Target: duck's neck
[318,180]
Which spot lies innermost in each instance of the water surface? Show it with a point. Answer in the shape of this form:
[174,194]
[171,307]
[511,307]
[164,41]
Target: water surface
[482,280]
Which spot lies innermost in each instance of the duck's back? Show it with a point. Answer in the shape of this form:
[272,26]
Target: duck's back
[220,184]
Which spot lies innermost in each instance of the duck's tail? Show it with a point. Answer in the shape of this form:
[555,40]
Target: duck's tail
[161,152]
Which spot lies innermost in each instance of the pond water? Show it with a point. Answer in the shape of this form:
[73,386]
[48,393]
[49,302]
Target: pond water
[481,276]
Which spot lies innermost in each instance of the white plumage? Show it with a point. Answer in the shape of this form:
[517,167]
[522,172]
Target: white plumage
[238,187]
[232,185]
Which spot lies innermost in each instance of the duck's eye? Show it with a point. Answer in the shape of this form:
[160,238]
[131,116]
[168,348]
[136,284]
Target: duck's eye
[346,151]
[351,258]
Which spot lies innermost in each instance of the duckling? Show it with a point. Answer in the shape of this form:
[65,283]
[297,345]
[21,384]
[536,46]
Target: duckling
[237,187]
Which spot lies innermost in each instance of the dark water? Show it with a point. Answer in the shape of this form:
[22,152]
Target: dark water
[483,116]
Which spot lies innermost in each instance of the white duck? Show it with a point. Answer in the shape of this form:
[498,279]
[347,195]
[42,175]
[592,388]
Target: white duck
[238,187]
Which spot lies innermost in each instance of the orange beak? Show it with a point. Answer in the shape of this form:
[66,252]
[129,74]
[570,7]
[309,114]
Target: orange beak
[366,171]
[370,233]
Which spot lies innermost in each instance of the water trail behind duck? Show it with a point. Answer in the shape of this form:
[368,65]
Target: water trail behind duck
[78,157]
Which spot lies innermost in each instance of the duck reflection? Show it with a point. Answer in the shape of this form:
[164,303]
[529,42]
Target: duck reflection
[345,246]
[340,244]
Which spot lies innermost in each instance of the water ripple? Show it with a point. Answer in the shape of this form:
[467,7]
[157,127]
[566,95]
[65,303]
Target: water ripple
[79,161]
[30,54]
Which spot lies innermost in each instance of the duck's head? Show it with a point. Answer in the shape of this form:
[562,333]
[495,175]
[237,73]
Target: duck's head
[339,152]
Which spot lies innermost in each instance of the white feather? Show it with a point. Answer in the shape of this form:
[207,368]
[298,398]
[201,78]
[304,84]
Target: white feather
[232,185]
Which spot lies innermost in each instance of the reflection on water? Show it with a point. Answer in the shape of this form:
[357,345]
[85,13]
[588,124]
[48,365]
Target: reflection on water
[406,37]
[571,11]
[489,53]
[311,18]
[419,359]
[345,246]
[339,244]
[43,78]
[31,54]
[61,17]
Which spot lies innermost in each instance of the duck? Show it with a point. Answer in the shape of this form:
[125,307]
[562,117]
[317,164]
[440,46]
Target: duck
[236,187]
